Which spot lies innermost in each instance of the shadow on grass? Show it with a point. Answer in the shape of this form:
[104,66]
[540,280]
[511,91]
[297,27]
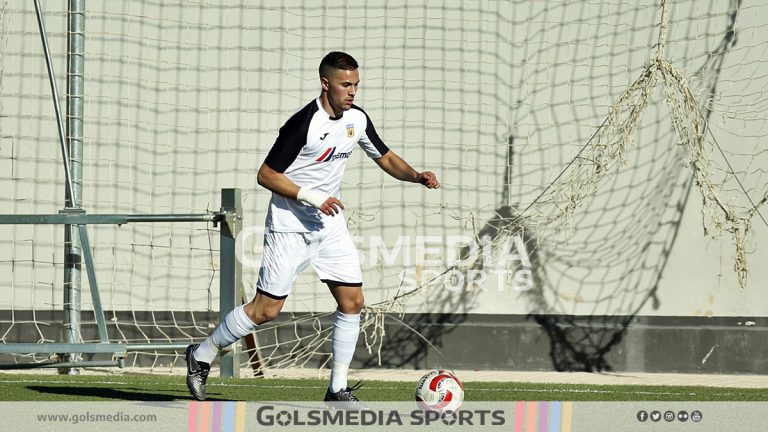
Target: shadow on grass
[99,393]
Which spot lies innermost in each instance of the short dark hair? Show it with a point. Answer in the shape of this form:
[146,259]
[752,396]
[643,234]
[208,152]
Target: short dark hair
[337,60]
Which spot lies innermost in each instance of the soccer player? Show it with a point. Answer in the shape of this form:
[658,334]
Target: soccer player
[305,222]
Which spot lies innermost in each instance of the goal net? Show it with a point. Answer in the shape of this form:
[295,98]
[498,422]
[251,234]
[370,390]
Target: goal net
[569,138]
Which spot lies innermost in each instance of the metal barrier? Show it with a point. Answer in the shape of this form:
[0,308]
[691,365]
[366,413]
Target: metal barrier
[231,288]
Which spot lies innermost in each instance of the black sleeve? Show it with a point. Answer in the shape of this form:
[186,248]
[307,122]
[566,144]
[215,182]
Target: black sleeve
[291,139]
[370,141]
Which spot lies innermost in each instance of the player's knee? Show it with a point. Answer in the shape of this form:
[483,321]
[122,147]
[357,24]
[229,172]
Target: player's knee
[353,304]
[264,315]
[268,315]
[260,313]
[359,303]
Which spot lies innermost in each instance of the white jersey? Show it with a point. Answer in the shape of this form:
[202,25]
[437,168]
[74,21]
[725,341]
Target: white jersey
[312,149]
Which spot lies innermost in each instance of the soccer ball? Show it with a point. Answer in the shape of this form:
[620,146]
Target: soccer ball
[441,391]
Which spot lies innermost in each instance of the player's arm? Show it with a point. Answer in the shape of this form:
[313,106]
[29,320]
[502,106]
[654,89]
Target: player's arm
[280,184]
[395,166]
[288,145]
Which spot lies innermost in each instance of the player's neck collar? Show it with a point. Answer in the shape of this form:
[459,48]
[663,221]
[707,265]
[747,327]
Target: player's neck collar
[330,116]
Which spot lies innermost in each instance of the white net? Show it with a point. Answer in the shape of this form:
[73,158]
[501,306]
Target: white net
[569,138]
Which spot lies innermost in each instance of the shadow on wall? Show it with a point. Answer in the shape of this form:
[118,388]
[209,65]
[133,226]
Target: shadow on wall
[576,343]
[581,344]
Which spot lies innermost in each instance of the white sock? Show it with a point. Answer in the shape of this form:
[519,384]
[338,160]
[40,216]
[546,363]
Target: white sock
[346,328]
[234,326]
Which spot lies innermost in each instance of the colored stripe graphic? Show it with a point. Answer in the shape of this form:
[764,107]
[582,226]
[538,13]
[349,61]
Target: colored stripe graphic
[543,416]
[216,420]
[519,416]
[554,416]
[240,417]
[192,417]
[229,417]
[216,417]
[204,418]
[567,414]
[530,416]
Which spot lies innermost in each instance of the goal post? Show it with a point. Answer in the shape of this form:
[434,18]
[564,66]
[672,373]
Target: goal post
[229,217]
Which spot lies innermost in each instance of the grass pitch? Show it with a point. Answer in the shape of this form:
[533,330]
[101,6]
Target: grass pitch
[126,387]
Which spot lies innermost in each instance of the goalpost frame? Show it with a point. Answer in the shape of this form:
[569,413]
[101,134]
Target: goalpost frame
[230,289]
[77,245]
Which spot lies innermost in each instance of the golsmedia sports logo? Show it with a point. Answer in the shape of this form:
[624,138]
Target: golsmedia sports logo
[276,416]
[330,155]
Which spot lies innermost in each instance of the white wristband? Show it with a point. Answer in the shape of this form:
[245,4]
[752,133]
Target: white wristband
[312,197]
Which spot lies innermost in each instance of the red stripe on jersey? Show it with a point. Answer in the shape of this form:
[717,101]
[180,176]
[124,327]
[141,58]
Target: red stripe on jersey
[320,159]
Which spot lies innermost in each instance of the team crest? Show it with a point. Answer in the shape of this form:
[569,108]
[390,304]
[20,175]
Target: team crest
[350,130]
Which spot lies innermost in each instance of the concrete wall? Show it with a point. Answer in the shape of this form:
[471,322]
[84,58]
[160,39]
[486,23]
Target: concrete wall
[719,345]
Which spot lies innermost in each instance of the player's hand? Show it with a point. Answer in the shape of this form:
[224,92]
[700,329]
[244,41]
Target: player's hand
[429,179]
[331,207]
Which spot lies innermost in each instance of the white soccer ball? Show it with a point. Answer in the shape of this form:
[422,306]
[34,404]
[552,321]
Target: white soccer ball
[440,390]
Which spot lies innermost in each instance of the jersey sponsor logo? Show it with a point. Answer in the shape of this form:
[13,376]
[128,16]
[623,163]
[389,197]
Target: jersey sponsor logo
[350,130]
[327,155]
[330,155]
[323,137]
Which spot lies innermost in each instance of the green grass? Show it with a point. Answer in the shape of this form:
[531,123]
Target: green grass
[27,387]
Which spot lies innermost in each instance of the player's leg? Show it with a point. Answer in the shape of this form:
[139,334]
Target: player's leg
[338,265]
[285,255]
[346,330]
[349,298]
[238,323]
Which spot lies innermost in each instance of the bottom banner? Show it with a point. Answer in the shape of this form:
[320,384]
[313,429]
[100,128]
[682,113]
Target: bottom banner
[522,416]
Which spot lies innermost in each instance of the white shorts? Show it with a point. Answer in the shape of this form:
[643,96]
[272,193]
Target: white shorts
[330,251]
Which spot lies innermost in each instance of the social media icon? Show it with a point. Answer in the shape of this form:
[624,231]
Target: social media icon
[682,416]
[696,416]
[669,416]
[655,416]
[642,416]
